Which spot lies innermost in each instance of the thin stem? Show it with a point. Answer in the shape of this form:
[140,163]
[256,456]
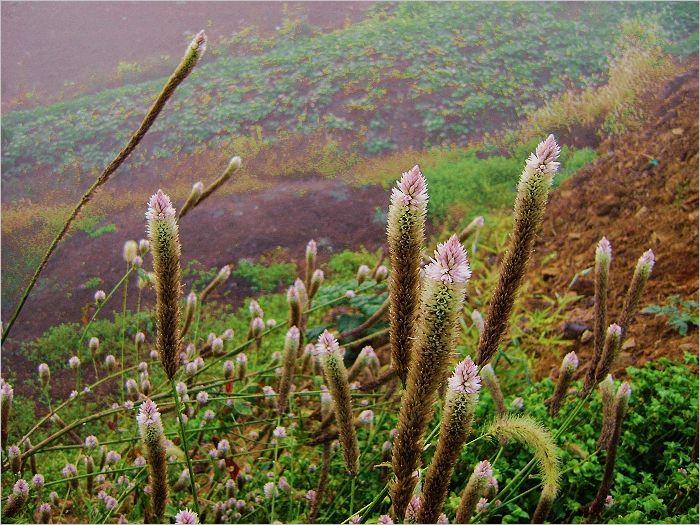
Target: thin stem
[178,76]
[183,437]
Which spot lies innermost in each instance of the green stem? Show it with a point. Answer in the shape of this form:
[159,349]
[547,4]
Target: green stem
[183,437]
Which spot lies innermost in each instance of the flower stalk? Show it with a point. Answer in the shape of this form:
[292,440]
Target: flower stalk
[530,203]
[443,294]
[336,375]
[458,415]
[405,234]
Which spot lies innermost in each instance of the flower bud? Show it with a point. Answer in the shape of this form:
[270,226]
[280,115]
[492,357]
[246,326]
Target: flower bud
[44,374]
[100,296]
[130,251]
[381,273]
[362,273]
[144,247]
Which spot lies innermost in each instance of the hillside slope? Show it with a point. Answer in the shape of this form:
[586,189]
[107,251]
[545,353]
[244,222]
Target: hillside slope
[641,193]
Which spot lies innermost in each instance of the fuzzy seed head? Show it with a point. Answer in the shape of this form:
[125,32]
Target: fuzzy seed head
[411,191]
[255,309]
[450,264]
[317,277]
[570,362]
[279,432]
[465,379]
[362,273]
[6,391]
[94,344]
[385,519]
[100,296]
[74,362]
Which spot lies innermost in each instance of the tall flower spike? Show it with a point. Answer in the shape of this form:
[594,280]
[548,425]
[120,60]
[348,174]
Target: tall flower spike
[291,347]
[316,281]
[7,394]
[193,198]
[234,165]
[530,204]
[603,256]
[151,430]
[474,489]
[531,433]
[221,277]
[405,234]
[458,415]
[165,243]
[336,375]
[566,373]
[634,293]
[443,294]
[621,402]
[311,251]
[606,388]
[488,375]
[190,308]
[613,341]
[17,499]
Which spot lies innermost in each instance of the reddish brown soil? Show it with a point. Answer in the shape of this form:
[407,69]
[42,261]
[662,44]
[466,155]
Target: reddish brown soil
[638,204]
[102,34]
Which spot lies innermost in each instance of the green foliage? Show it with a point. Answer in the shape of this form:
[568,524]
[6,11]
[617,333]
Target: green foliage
[265,278]
[452,76]
[680,314]
[480,185]
[344,265]
[92,282]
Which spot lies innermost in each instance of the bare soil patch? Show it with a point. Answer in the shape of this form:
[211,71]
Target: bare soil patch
[642,193]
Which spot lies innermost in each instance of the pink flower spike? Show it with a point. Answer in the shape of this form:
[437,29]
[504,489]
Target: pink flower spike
[625,390]
[646,261]
[186,517]
[411,190]
[614,330]
[450,264]
[570,362]
[199,43]
[327,344]
[544,159]
[604,248]
[160,207]
[465,379]
[483,469]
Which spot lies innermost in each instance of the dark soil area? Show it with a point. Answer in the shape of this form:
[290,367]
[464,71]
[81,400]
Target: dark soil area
[222,230]
[102,34]
[642,193]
